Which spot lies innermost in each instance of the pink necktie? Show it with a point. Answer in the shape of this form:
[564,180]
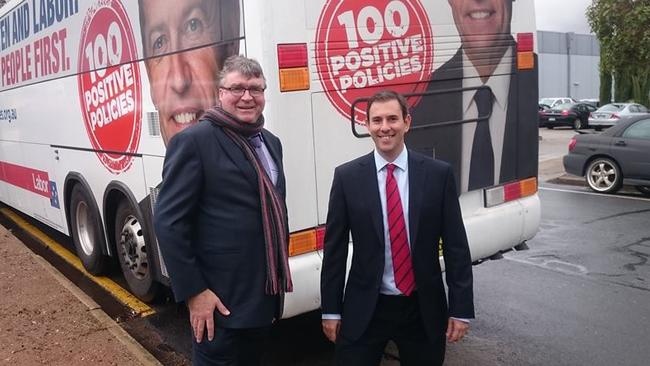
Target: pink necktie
[399,246]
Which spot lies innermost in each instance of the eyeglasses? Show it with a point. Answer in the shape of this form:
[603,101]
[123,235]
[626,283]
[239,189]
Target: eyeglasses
[238,91]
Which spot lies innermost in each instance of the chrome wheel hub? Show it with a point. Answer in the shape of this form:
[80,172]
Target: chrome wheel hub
[132,247]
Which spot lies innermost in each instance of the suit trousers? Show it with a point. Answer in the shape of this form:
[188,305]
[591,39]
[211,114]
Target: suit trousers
[231,347]
[396,318]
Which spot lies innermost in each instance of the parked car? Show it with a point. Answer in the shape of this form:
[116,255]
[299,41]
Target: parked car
[620,155]
[552,102]
[610,114]
[592,101]
[575,115]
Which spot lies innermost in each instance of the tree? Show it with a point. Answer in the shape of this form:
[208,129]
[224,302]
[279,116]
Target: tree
[605,86]
[622,27]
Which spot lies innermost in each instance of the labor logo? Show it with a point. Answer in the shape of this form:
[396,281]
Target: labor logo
[364,47]
[110,85]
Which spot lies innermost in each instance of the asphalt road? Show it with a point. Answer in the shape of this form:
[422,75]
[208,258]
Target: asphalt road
[578,296]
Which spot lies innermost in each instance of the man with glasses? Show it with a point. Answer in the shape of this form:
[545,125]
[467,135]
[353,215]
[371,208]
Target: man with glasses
[221,221]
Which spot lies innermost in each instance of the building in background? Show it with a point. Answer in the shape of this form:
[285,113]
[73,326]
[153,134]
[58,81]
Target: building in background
[568,65]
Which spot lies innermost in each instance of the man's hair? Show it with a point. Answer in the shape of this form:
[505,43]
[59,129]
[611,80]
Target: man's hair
[247,67]
[387,96]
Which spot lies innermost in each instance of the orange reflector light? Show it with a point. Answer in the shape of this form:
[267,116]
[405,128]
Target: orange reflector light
[524,42]
[528,187]
[525,61]
[294,79]
[302,242]
[510,192]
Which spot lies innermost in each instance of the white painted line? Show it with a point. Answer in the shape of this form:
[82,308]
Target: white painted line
[554,265]
[595,194]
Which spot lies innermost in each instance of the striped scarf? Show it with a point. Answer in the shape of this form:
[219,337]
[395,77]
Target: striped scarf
[274,218]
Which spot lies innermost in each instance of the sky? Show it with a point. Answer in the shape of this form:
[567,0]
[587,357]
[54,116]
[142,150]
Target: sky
[562,15]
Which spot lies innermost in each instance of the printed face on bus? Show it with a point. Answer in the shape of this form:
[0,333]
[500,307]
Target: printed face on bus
[183,84]
[242,97]
[387,127]
[482,23]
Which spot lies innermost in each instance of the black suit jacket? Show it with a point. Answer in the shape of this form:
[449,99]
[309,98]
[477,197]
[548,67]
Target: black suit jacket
[434,213]
[520,146]
[209,226]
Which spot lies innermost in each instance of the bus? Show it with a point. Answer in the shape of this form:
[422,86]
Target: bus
[92,91]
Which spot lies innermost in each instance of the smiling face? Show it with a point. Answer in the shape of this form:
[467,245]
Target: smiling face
[182,84]
[482,23]
[387,126]
[246,107]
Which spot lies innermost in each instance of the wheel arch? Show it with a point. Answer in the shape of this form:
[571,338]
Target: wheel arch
[71,180]
[117,191]
[597,156]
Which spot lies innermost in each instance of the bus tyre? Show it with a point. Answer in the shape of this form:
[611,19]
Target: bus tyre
[87,232]
[133,254]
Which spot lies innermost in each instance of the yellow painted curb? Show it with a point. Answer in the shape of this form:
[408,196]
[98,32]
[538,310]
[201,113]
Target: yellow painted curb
[138,307]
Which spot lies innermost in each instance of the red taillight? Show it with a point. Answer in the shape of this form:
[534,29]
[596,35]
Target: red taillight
[293,67]
[525,56]
[292,55]
[565,113]
[524,42]
[320,237]
[572,144]
[615,116]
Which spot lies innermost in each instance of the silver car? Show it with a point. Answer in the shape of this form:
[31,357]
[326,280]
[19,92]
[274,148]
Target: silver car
[610,114]
[554,102]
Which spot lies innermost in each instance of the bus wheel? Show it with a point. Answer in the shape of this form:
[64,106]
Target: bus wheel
[133,253]
[87,231]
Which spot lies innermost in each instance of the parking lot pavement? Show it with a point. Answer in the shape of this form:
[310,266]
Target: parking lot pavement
[553,145]
[48,320]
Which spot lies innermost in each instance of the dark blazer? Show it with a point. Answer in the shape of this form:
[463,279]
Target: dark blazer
[434,213]
[209,226]
[520,148]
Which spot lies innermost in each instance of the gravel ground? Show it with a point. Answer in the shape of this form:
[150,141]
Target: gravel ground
[44,321]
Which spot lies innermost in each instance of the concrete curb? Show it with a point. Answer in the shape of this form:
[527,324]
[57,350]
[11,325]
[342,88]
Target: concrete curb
[139,352]
[569,180]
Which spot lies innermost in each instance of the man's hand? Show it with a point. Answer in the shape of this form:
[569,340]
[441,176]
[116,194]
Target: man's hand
[331,328]
[456,330]
[202,308]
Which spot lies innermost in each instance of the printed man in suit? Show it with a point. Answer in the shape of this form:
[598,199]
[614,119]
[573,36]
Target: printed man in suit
[221,221]
[497,148]
[397,204]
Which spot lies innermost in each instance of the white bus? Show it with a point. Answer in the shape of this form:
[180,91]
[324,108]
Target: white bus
[92,90]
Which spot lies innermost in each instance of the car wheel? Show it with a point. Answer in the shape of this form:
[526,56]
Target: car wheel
[133,252]
[87,231]
[645,190]
[604,175]
[598,128]
[549,127]
[577,124]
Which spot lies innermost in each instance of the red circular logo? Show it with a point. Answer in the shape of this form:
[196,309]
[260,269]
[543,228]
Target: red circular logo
[362,49]
[109,84]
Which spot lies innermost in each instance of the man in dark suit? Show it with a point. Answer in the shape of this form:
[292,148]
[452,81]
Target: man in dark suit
[221,221]
[493,134]
[398,205]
